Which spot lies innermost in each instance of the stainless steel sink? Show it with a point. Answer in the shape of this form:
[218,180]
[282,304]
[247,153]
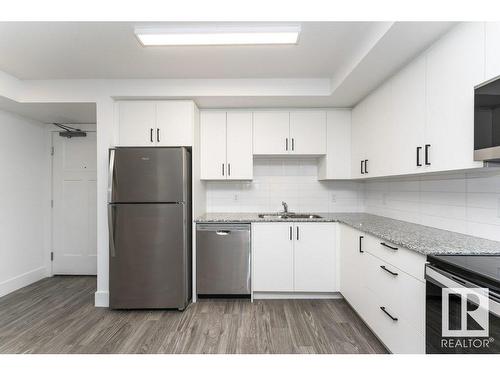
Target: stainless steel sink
[289,215]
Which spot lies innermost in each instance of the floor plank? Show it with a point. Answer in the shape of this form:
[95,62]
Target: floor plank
[57,315]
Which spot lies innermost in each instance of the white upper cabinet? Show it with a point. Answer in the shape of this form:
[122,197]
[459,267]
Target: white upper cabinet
[307,133]
[337,162]
[137,123]
[226,145]
[406,136]
[156,123]
[239,146]
[455,65]
[174,122]
[492,53]
[284,133]
[271,133]
[213,145]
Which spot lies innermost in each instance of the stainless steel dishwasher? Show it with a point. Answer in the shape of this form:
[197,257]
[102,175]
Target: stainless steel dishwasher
[223,259]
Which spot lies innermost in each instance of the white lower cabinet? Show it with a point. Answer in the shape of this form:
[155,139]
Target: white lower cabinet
[385,291]
[294,257]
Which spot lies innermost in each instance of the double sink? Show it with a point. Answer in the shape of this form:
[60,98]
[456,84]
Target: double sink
[288,215]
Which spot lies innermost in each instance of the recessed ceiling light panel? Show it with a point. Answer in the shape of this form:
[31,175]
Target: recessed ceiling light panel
[218,35]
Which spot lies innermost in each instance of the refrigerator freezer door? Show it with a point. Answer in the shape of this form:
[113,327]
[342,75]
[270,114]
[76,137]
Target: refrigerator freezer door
[146,174]
[149,262]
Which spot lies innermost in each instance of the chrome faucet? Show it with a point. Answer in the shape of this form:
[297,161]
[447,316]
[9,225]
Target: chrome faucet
[285,207]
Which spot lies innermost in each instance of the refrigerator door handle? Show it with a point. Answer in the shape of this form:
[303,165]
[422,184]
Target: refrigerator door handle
[111,227]
[110,174]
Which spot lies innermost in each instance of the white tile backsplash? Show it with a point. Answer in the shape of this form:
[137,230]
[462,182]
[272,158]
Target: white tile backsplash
[294,181]
[464,202]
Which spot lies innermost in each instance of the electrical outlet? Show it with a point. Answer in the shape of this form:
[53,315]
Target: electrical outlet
[334,198]
[235,197]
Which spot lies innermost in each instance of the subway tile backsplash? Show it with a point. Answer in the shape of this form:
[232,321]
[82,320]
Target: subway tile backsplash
[463,202]
[292,180]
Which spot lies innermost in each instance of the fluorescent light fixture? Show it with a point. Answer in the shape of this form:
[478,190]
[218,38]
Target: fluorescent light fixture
[218,35]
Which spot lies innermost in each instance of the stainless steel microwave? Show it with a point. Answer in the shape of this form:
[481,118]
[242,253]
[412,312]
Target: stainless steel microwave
[487,121]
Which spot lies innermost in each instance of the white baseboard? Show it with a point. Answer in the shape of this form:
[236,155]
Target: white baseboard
[18,282]
[286,295]
[101,298]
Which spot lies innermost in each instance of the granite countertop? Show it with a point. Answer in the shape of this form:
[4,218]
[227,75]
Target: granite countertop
[416,237]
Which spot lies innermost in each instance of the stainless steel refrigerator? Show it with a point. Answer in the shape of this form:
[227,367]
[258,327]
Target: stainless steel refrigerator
[149,215]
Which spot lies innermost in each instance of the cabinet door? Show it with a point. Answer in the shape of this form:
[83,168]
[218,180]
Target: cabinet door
[314,262]
[454,66]
[408,119]
[337,162]
[137,123]
[308,132]
[271,133]
[213,145]
[492,54]
[174,123]
[272,247]
[239,146]
[359,129]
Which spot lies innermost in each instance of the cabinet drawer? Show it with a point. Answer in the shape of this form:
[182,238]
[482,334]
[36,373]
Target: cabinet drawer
[406,260]
[398,336]
[401,293]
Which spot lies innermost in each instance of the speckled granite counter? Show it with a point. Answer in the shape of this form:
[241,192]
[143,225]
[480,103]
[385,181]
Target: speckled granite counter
[420,238]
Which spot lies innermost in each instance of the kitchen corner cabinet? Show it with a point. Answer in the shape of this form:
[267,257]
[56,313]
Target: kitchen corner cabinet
[226,145]
[289,133]
[294,257]
[155,123]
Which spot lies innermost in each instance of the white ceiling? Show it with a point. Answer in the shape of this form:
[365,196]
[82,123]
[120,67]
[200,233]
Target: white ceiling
[64,113]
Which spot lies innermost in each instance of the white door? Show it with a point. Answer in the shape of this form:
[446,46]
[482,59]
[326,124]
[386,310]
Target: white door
[174,123]
[137,123]
[271,133]
[272,246]
[213,145]
[408,120]
[314,262]
[308,132]
[74,215]
[239,146]
[454,66]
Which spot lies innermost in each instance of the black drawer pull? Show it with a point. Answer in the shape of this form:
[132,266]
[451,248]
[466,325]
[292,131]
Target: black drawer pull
[389,271]
[388,246]
[366,166]
[389,315]
[362,167]
[360,244]
[427,158]
[419,164]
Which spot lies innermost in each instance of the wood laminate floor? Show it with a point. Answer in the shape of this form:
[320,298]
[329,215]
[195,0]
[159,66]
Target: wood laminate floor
[57,315]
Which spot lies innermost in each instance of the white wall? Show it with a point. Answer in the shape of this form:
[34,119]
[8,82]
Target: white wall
[465,202]
[293,180]
[23,201]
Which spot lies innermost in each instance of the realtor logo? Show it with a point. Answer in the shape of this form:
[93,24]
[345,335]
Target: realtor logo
[471,319]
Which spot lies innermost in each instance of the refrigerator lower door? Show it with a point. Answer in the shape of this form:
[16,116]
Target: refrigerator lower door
[148,256]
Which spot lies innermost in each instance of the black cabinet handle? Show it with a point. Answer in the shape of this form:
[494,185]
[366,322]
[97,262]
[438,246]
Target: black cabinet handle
[389,271]
[427,158]
[419,164]
[297,233]
[291,233]
[229,169]
[158,135]
[286,144]
[293,144]
[223,169]
[389,315]
[366,166]
[360,244]
[362,169]
[388,246]
[151,135]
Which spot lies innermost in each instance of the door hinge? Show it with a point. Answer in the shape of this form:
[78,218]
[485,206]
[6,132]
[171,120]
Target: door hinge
[52,151]
[51,203]
[51,256]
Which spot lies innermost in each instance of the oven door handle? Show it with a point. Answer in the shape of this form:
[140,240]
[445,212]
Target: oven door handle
[445,279]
